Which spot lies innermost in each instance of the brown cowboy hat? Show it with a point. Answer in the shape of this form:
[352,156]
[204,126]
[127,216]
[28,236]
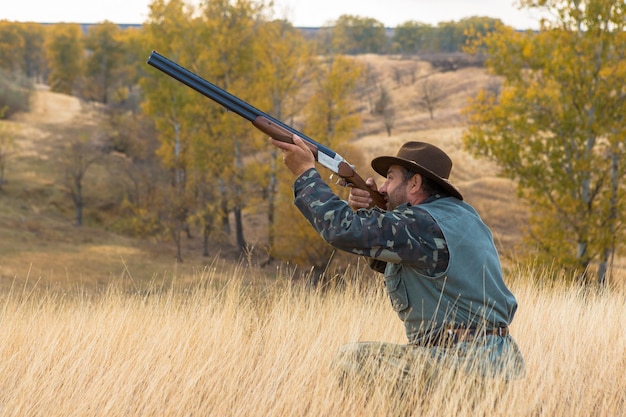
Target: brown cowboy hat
[424,159]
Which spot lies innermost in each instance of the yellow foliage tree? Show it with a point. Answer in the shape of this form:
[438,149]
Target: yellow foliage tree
[64,52]
[331,120]
[7,148]
[168,102]
[11,46]
[285,60]
[558,127]
[354,35]
[233,30]
[105,56]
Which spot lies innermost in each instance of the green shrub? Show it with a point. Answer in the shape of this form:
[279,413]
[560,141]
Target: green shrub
[15,92]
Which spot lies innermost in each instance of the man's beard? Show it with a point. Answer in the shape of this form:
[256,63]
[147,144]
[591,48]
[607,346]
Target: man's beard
[397,197]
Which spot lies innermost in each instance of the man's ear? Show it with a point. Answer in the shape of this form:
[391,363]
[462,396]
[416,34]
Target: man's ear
[415,184]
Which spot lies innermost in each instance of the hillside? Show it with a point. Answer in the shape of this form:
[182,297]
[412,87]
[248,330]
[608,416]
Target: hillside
[493,197]
[39,243]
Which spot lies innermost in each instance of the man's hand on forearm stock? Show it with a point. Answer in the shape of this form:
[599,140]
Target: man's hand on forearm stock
[360,198]
[297,156]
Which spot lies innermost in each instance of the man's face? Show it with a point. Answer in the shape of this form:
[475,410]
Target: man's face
[395,187]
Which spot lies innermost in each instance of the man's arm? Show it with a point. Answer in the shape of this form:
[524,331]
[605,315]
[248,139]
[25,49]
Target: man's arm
[365,233]
[359,199]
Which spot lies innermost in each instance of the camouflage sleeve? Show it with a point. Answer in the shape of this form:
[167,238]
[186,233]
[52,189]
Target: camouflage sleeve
[405,235]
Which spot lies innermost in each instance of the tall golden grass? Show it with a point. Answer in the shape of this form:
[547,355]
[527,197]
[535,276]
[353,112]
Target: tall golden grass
[219,347]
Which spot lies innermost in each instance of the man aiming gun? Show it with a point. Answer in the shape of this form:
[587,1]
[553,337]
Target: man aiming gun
[442,271]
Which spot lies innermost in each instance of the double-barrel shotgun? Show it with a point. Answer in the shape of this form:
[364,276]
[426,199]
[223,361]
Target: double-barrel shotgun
[265,123]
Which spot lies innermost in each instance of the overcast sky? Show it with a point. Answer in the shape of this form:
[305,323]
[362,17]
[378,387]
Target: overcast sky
[299,12]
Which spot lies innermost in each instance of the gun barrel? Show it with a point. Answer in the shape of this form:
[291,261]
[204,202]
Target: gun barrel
[223,97]
[203,86]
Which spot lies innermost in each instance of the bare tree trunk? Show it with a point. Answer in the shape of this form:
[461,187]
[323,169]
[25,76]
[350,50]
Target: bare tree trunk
[603,270]
[205,240]
[224,206]
[78,201]
[79,155]
[177,239]
[241,243]
[271,204]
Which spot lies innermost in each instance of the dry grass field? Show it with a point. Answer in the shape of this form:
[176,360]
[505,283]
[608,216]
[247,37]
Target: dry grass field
[96,324]
[221,348]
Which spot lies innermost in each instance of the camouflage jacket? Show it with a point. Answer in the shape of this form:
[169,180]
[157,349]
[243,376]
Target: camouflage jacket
[407,235]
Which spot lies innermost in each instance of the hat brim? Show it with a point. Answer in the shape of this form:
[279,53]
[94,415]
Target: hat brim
[381,165]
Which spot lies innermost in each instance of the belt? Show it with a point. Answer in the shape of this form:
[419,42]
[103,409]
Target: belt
[452,336]
[466,334]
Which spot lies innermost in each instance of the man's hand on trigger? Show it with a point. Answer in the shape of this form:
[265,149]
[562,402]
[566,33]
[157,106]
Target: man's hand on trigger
[297,156]
[360,198]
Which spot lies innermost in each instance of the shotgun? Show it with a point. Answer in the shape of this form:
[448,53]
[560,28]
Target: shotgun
[265,123]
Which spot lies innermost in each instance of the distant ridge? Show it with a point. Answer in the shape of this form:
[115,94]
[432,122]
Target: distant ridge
[85,26]
[307,30]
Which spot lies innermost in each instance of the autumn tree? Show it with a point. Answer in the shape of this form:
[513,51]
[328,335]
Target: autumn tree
[430,95]
[16,84]
[557,127]
[15,93]
[370,85]
[355,35]
[453,36]
[413,37]
[200,142]
[131,67]
[234,30]
[284,67]
[7,148]
[127,126]
[105,51]
[170,29]
[33,56]
[332,113]
[21,48]
[11,46]
[64,53]
[140,177]
[331,119]
[384,108]
[80,153]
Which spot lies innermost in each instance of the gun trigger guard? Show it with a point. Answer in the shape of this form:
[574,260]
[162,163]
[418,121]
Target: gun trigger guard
[340,181]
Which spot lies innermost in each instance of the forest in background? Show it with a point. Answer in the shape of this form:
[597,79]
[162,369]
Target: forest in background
[183,167]
[153,127]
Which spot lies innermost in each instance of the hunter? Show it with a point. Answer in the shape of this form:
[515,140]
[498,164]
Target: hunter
[441,268]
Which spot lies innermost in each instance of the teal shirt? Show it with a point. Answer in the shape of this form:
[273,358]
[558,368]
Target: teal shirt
[470,292]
